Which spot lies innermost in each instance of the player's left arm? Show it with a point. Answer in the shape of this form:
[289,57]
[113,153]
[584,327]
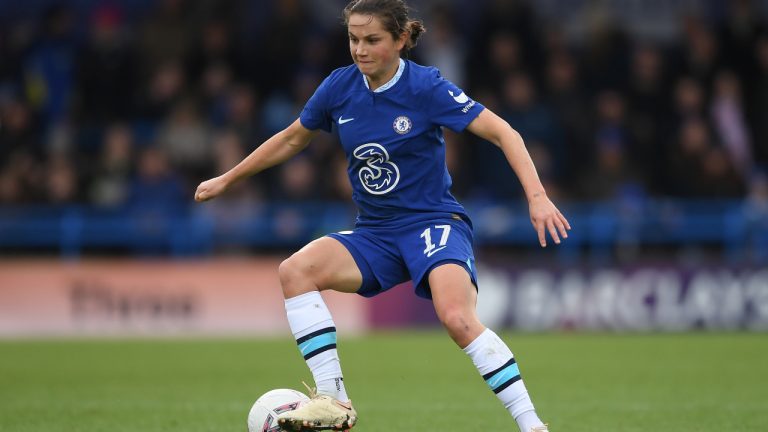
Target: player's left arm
[544,215]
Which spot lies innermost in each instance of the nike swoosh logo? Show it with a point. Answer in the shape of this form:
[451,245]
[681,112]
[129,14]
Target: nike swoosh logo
[348,406]
[342,120]
[461,98]
[494,381]
[434,251]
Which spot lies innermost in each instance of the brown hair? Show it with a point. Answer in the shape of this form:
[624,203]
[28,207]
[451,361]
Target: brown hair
[393,15]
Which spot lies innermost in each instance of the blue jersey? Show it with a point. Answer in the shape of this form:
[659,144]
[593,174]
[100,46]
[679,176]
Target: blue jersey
[393,137]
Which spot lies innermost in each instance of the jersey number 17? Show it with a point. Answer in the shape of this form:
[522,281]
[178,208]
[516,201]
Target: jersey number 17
[431,248]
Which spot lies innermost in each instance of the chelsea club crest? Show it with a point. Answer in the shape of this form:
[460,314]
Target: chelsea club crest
[402,125]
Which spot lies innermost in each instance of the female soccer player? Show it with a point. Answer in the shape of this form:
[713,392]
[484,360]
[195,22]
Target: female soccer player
[389,113]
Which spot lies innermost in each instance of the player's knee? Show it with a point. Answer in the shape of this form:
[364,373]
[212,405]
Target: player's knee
[458,321]
[285,272]
[297,276]
[291,274]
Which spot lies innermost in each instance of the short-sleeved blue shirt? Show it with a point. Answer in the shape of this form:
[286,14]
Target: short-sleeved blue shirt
[392,137]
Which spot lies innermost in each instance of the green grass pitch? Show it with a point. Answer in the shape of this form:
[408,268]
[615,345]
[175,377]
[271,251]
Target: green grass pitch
[414,381]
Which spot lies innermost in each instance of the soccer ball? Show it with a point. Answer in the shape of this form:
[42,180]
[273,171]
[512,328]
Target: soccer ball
[264,412]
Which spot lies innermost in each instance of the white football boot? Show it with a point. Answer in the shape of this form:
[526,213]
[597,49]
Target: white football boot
[542,428]
[321,412]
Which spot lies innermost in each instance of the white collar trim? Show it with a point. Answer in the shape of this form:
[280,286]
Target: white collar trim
[391,82]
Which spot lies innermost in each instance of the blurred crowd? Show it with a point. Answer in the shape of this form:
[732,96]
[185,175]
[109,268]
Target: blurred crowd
[134,103]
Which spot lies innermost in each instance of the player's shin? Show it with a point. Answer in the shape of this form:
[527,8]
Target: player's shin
[315,333]
[499,369]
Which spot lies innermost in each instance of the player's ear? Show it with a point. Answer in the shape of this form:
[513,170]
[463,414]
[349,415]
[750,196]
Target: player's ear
[400,42]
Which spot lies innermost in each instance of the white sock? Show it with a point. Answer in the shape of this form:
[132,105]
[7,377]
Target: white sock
[315,333]
[497,365]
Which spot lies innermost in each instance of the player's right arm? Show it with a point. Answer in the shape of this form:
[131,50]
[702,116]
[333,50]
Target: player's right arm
[274,151]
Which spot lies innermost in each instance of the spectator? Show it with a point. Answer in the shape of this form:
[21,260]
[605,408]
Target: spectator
[647,110]
[532,117]
[613,175]
[237,211]
[445,49]
[342,189]
[19,131]
[730,122]
[757,102]
[215,84]
[505,57]
[21,172]
[186,140]
[155,201]
[166,87]
[243,114]
[533,120]
[298,180]
[62,182]
[700,169]
[110,185]
[228,150]
[720,177]
[700,52]
[49,67]
[215,46]
[22,180]
[155,190]
[568,98]
[688,103]
[611,124]
[615,170]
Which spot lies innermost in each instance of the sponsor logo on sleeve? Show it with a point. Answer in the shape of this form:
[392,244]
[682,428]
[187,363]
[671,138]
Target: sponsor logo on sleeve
[462,98]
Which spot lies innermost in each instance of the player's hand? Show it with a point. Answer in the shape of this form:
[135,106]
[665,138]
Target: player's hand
[210,189]
[545,217]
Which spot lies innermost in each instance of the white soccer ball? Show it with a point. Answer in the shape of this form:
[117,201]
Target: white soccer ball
[264,412]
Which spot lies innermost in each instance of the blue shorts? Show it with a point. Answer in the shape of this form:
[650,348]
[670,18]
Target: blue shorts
[390,255]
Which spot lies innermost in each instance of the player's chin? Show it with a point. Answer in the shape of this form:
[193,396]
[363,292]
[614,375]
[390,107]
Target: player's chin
[365,67]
